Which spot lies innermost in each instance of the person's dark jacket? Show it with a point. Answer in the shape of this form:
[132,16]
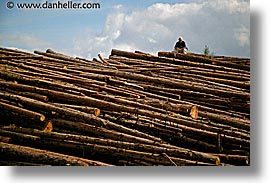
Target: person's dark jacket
[181,45]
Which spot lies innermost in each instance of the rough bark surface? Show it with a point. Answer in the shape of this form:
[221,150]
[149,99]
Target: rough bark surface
[130,109]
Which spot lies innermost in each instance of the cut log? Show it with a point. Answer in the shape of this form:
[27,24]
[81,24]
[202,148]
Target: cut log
[18,163]
[86,109]
[99,131]
[35,96]
[238,160]
[49,108]
[59,75]
[171,83]
[177,108]
[104,105]
[157,148]
[76,114]
[27,154]
[102,59]
[22,112]
[227,120]
[202,60]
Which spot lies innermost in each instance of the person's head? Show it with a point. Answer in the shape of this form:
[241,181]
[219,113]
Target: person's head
[180,39]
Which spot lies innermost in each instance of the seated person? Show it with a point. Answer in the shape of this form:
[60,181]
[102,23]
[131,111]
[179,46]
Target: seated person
[180,46]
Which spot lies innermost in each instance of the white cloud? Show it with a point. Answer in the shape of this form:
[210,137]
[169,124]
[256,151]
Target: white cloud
[242,34]
[222,25]
[232,6]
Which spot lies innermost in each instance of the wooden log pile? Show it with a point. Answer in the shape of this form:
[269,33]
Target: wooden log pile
[130,109]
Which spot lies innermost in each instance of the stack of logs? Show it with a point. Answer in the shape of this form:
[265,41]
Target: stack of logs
[133,109]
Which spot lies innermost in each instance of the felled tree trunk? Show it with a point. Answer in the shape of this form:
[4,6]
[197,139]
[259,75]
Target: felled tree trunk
[22,112]
[27,154]
[202,60]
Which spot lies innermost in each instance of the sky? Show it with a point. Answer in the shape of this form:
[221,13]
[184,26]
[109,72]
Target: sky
[145,25]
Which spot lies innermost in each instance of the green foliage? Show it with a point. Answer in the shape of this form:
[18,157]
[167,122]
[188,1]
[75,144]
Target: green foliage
[206,50]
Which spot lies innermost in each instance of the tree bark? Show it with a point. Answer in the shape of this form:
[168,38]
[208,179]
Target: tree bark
[157,148]
[86,109]
[22,112]
[27,154]
[202,60]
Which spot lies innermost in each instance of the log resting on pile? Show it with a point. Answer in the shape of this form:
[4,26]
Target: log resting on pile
[97,103]
[153,148]
[28,154]
[172,83]
[74,114]
[202,60]
[22,112]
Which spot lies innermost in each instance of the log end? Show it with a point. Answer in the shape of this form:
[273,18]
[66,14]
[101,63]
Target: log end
[194,112]
[48,127]
[50,51]
[5,139]
[96,112]
[45,99]
[218,161]
[42,117]
[247,162]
